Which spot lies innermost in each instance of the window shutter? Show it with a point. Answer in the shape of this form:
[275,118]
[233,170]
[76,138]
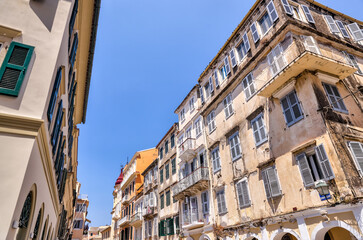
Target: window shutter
[287,7]
[274,182]
[308,14]
[223,202]
[72,56]
[272,63]
[324,162]
[352,61]
[245,194]
[355,31]
[54,95]
[254,32]
[331,23]
[171,226]
[233,57]
[266,183]
[57,124]
[272,11]
[211,88]
[310,44]
[73,17]
[151,199]
[201,94]
[14,68]
[216,78]
[246,42]
[305,170]
[226,63]
[342,29]
[357,150]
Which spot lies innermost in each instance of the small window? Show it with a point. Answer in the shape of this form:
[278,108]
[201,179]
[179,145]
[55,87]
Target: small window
[276,60]
[172,141]
[161,175]
[182,115]
[225,69]
[167,195]
[356,149]
[243,194]
[243,48]
[334,98]
[167,171]
[228,108]
[161,201]
[221,202]
[271,182]
[331,23]
[235,146]
[353,62]
[191,104]
[291,108]
[216,160]
[296,12]
[254,32]
[173,166]
[310,44]
[211,121]
[248,86]
[287,7]
[259,131]
[198,128]
[166,145]
[205,203]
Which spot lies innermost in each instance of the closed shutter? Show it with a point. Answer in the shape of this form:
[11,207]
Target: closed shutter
[151,199]
[226,64]
[272,11]
[308,14]
[352,61]
[57,124]
[54,95]
[171,226]
[357,150]
[274,182]
[246,42]
[310,44]
[355,31]
[242,192]
[342,29]
[266,183]
[72,56]
[211,88]
[324,162]
[254,32]
[331,23]
[205,203]
[216,78]
[246,197]
[305,170]
[233,58]
[272,63]
[287,7]
[201,94]
[14,68]
[73,17]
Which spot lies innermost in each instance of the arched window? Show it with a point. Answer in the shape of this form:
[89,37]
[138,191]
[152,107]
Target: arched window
[45,228]
[25,215]
[37,223]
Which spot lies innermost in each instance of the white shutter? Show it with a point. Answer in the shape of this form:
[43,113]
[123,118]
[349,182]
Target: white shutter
[254,32]
[342,29]
[266,183]
[357,150]
[246,42]
[226,63]
[246,197]
[211,88]
[274,182]
[272,63]
[201,94]
[308,14]
[331,23]
[233,57]
[216,78]
[305,170]
[355,31]
[151,199]
[310,44]
[287,7]
[324,162]
[272,11]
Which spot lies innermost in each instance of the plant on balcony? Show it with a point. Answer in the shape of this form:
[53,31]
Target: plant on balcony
[219,231]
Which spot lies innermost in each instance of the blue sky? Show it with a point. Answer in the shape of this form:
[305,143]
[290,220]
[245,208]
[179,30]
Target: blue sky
[149,54]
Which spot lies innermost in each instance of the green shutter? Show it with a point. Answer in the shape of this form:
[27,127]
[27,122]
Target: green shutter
[14,68]
[163,228]
[54,95]
[171,226]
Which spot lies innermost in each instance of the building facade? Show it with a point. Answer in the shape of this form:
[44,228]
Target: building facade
[44,81]
[80,226]
[116,210]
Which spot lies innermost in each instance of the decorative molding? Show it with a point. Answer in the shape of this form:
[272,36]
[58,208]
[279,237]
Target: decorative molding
[327,78]
[285,89]
[19,125]
[9,32]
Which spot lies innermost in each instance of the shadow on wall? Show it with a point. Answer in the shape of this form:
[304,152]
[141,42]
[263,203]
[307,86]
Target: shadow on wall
[45,10]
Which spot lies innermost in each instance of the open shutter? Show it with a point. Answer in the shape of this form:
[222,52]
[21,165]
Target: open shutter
[355,31]
[57,124]
[274,182]
[310,44]
[272,63]
[14,68]
[202,99]
[54,95]
[305,170]
[245,194]
[211,88]
[226,63]
[287,7]
[308,14]
[72,56]
[272,11]
[331,23]
[246,42]
[171,226]
[151,199]
[324,162]
[254,32]
[216,78]
[357,150]
[342,28]
[73,17]
[233,57]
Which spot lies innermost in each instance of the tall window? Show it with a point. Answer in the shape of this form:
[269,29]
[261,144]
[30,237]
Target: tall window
[173,166]
[334,98]
[243,47]
[167,195]
[259,131]
[161,175]
[207,90]
[182,115]
[353,62]
[216,160]
[243,195]
[235,146]
[225,69]
[191,104]
[228,108]
[205,203]
[161,201]
[221,202]
[172,141]
[265,23]
[161,153]
[211,121]
[167,171]
[248,86]
[276,60]
[166,147]
[271,182]
[291,108]
[198,127]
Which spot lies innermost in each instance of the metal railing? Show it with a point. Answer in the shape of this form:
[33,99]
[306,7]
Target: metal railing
[199,174]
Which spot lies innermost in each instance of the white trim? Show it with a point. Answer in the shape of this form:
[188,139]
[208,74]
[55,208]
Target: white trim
[285,89]
[302,228]
[204,237]
[323,227]
[278,234]
[250,236]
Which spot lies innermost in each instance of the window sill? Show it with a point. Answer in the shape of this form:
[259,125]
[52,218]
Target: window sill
[296,121]
[210,132]
[222,213]
[261,142]
[216,171]
[200,134]
[340,111]
[245,206]
[227,117]
[236,158]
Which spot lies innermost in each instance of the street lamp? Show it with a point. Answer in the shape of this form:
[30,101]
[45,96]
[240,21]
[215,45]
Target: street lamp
[323,188]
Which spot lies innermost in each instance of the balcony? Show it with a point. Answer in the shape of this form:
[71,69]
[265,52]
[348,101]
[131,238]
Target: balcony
[148,211]
[125,220]
[191,221]
[191,184]
[136,218]
[125,199]
[187,149]
[115,216]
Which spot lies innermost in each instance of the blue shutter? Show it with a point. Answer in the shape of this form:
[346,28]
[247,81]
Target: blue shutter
[246,42]
[73,17]
[72,56]
[308,14]
[54,95]
[254,32]
[287,7]
[272,11]
[57,124]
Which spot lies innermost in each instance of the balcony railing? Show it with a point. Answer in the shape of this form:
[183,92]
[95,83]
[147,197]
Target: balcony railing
[187,149]
[191,184]
[125,199]
[136,217]
[115,216]
[148,211]
[124,220]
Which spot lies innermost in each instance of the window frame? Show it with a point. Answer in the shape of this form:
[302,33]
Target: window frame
[336,101]
[216,158]
[255,120]
[211,117]
[182,115]
[241,206]
[355,160]
[191,104]
[219,195]
[249,84]
[228,106]
[268,191]
[197,123]
[205,202]
[236,134]
[290,108]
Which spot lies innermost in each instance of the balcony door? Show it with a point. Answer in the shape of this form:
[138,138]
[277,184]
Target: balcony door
[194,209]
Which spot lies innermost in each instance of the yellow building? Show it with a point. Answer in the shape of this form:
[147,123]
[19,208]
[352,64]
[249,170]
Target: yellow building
[46,54]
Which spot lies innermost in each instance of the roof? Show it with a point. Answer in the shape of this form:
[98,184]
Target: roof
[167,133]
[120,178]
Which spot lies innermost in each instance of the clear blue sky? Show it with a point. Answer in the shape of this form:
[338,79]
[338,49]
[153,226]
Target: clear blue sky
[149,54]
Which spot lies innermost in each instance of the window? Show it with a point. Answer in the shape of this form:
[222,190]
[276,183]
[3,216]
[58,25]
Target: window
[314,165]
[216,78]
[342,28]
[254,32]
[228,108]
[81,207]
[150,227]
[243,195]
[201,95]
[161,153]
[353,62]
[54,95]
[14,67]
[166,145]
[211,121]
[170,226]
[180,140]
[78,224]
[167,196]
[310,44]
[356,149]
[259,131]
[308,14]
[161,175]
[248,86]
[198,127]
[225,69]
[235,146]
[221,202]
[161,201]
[207,90]
[355,31]
[334,98]
[182,115]
[291,108]
[173,166]
[296,12]
[205,203]
[191,104]
[216,160]
[57,125]
[72,56]
[331,23]
[73,17]
[271,182]
[287,7]
[243,47]
[146,228]
[276,60]
[172,141]
[167,171]
[265,23]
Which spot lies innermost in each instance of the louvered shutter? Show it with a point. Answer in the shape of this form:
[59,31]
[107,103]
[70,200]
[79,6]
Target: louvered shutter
[305,170]
[266,183]
[342,29]
[310,44]
[171,226]
[216,78]
[201,94]
[151,199]
[246,42]
[14,68]
[254,32]
[355,31]
[331,23]
[272,11]
[308,14]
[274,182]
[211,88]
[72,56]
[57,124]
[324,162]
[357,150]
[226,64]
[287,7]
[246,196]
[54,95]
[272,63]
[233,58]
[73,17]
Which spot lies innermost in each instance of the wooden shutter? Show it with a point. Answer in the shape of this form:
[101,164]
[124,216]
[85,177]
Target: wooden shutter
[287,7]
[73,17]
[266,183]
[226,64]
[171,226]
[324,162]
[246,42]
[246,196]
[211,88]
[308,14]
[201,94]
[272,11]
[274,182]
[233,57]
[14,68]
[54,95]
[357,152]
[310,44]
[151,199]
[342,28]
[216,78]
[254,32]
[355,31]
[331,23]
[57,124]
[305,170]
[72,56]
